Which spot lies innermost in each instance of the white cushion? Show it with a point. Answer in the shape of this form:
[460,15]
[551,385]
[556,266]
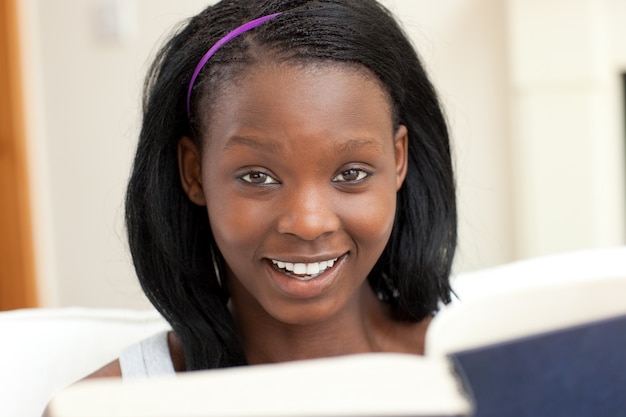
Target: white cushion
[44,350]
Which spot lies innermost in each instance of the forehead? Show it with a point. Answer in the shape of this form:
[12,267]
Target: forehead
[310,97]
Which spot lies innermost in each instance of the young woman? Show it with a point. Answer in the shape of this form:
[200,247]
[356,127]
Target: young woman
[292,194]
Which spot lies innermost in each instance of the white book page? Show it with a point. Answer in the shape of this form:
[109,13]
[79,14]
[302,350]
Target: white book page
[507,315]
[357,385]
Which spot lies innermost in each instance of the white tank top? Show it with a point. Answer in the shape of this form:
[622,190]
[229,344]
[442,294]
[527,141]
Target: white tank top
[148,358]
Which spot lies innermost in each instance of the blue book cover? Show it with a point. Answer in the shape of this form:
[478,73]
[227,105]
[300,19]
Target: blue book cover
[573,372]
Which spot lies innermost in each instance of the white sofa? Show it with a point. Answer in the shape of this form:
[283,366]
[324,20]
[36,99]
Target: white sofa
[44,350]
[47,349]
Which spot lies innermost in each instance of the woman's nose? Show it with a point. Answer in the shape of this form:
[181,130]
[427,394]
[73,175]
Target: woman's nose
[308,213]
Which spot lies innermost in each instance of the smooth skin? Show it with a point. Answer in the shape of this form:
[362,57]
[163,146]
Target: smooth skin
[301,164]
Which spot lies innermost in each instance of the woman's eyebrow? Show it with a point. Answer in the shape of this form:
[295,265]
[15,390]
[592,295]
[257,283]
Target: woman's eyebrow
[251,142]
[350,145]
[340,146]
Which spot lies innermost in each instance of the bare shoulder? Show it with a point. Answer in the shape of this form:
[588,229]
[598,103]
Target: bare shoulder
[110,370]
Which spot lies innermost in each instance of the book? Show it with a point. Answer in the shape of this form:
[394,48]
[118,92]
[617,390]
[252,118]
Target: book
[557,349]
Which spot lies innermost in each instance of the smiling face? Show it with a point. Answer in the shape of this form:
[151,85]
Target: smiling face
[299,170]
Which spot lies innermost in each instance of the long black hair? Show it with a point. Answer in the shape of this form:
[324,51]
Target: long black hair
[174,253]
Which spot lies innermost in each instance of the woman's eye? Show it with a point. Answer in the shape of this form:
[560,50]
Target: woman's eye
[351,175]
[258,178]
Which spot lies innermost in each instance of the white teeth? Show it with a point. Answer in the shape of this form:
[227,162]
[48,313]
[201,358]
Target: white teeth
[312,269]
[309,269]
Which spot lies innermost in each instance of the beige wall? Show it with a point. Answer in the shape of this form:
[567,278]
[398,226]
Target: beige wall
[83,96]
[567,124]
[84,102]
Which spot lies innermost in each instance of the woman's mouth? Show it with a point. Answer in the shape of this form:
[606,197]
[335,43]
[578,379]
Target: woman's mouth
[304,271]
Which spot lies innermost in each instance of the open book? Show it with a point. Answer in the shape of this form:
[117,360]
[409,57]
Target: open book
[548,350]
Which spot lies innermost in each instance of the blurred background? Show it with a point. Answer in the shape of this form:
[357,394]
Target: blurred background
[534,92]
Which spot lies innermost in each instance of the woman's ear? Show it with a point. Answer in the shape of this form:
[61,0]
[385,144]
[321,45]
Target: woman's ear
[189,167]
[401,144]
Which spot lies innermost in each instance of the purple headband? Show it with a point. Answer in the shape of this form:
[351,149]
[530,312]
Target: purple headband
[230,36]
